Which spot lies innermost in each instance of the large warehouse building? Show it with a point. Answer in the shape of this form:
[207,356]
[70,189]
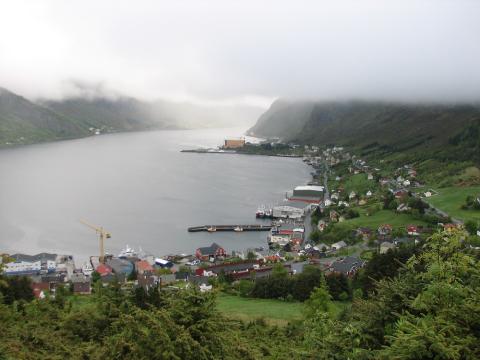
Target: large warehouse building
[308,191]
[234,143]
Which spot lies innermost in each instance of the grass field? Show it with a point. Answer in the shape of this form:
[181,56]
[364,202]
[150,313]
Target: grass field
[383,217]
[451,199]
[275,312]
[359,183]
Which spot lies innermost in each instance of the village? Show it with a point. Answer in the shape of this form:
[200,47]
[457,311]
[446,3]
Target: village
[347,212]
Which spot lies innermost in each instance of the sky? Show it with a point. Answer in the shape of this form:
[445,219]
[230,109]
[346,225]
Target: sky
[242,52]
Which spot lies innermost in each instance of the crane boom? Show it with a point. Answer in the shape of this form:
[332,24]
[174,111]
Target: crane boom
[103,235]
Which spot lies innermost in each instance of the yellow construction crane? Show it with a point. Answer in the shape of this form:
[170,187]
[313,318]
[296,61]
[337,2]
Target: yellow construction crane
[103,236]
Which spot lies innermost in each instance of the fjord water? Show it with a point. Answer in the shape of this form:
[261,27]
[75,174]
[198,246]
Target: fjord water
[140,187]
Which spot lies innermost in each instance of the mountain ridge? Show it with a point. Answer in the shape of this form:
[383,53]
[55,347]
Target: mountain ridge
[23,121]
[378,126]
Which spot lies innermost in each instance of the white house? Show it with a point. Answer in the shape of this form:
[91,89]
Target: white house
[428,193]
[406,183]
[370,176]
[369,193]
[279,239]
[205,288]
[328,202]
[385,246]
[352,195]
[339,245]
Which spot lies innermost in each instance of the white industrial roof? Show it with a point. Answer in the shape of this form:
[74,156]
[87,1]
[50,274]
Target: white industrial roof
[162,261]
[310,187]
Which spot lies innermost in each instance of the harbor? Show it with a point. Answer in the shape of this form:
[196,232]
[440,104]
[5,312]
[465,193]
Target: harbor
[236,228]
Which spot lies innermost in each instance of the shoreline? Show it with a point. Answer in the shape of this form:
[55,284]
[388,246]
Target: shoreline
[232,152]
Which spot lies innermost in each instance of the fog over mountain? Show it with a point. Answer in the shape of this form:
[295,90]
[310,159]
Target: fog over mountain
[219,52]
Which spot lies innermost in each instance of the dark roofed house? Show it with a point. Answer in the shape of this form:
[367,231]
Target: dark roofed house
[121,267]
[347,266]
[81,284]
[146,280]
[229,268]
[364,232]
[82,288]
[213,251]
[181,275]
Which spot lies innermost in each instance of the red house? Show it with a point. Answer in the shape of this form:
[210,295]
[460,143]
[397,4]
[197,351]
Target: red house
[412,230]
[104,269]
[213,251]
[143,267]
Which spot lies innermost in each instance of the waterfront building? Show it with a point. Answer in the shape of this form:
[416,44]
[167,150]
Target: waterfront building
[290,210]
[31,264]
[210,252]
[234,143]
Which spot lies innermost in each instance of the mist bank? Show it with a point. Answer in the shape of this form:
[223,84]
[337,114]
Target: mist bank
[375,126]
[26,122]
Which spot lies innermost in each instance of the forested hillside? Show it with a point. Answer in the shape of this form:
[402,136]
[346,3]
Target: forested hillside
[422,306]
[376,126]
[22,121]
[25,122]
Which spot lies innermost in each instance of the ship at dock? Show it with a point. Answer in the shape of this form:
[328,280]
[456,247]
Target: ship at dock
[264,213]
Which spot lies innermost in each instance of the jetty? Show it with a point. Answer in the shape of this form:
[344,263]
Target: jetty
[236,228]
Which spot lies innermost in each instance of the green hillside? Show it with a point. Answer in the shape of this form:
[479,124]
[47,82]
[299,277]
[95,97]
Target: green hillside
[381,127]
[23,122]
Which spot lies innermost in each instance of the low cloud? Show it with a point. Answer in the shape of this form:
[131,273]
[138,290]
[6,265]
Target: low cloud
[248,52]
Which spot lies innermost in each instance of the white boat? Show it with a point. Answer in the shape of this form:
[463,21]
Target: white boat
[128,252]
[211,229]
[238,229]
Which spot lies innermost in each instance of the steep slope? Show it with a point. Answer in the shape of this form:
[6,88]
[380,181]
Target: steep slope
[284,119]
[23,122]
[371,125]
[396,126]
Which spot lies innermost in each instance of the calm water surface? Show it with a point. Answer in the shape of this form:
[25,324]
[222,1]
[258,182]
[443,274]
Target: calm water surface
[140,188]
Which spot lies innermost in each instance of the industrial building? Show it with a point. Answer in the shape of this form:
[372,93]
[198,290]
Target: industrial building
[234,143]
[31,264]
[314,191]
[290,210]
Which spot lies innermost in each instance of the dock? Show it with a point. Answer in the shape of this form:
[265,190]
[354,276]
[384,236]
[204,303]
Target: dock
[236,228]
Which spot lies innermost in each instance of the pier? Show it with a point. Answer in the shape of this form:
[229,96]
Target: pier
[236,228]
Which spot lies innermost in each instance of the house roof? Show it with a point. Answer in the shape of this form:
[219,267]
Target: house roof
[227,268]
[347,264]
[387,245]
[103,269]
[120,266]
[209,250]
[143,265]
[340,243]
